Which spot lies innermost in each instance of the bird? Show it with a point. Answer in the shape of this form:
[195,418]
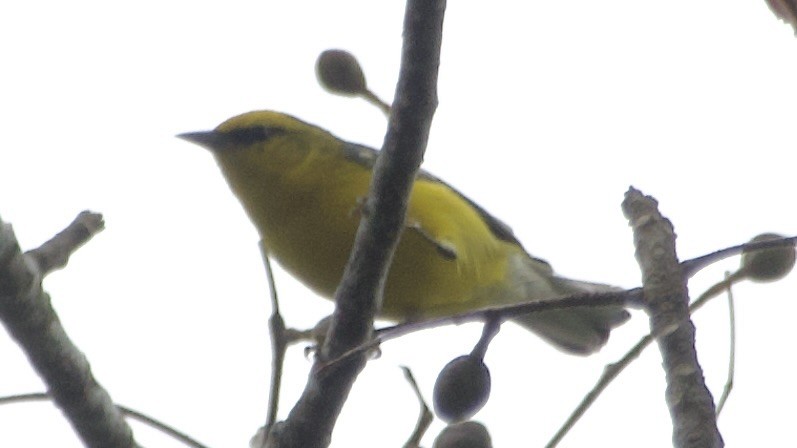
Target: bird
[303,189]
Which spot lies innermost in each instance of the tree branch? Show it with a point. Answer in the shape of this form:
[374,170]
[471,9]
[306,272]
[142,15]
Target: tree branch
[664,285]
[30,319]
[54,254]
[359,295]
[785,10]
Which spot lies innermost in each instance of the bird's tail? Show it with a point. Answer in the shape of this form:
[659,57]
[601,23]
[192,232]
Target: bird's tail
[579,330]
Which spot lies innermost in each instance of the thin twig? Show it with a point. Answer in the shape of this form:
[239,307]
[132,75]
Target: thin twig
[166,429]
[372,98]
[279,344]
[629,297]
[691,267]
[127,412]
[611,371]
[726,391]
[490,329]
[425,416]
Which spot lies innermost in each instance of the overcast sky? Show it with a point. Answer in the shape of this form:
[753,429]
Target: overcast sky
[548,112]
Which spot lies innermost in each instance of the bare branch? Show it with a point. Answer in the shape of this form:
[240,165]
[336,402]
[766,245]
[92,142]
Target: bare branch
[785,10]
[425,416]
[358,297]
[631,297]
[30,319]
[726,391]
[55,253]
[394,175]
[664,284]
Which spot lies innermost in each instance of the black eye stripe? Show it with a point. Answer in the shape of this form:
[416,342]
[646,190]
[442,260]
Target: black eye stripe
[256,134]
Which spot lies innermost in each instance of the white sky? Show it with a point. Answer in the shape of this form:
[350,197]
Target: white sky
[548,112]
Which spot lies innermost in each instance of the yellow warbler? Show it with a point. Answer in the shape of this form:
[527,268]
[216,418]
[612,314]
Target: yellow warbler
[303,189]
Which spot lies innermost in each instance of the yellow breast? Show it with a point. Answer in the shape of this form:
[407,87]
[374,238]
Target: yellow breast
[447,258]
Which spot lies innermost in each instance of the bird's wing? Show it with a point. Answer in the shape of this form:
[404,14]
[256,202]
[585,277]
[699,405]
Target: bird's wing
[367,156]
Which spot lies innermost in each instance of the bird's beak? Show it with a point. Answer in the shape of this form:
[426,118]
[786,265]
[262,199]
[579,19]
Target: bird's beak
[207,139]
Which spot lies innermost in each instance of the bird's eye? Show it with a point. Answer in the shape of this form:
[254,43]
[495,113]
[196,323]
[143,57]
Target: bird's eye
[255,134]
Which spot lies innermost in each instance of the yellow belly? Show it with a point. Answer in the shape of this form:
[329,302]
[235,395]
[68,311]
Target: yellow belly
[311,236]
